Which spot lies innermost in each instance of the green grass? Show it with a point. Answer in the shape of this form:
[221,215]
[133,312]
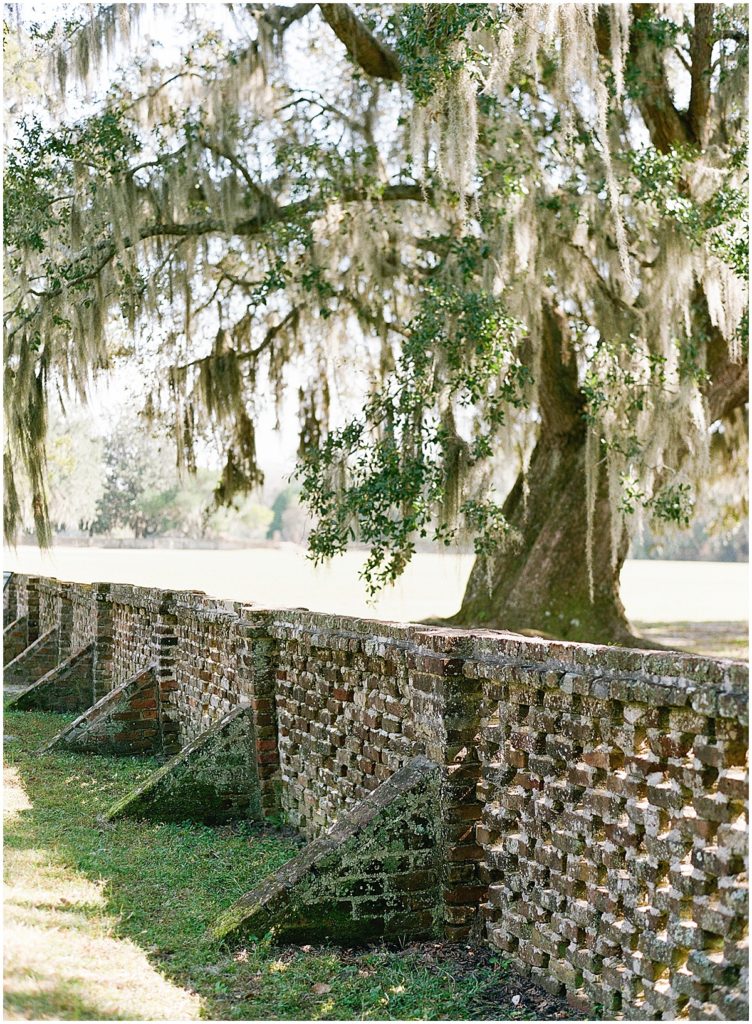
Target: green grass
[107,921]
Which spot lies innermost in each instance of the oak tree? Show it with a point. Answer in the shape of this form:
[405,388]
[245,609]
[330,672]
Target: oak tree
[469,235]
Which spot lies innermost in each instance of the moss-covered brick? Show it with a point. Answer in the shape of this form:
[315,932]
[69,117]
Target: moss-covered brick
[592,799]
[376,872]
[68,687]
[213,779]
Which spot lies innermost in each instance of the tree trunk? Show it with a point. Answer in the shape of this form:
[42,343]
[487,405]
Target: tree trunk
[540,584]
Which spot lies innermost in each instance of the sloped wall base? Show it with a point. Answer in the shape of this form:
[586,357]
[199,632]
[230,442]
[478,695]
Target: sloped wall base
[68,687]
[376,872]
[35,661]
[15,638]
[213,779]
[124,721]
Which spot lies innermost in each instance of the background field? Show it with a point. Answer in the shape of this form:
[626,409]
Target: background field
[699,606]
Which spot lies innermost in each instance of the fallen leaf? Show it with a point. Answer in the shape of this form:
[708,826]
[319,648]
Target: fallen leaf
[320,989]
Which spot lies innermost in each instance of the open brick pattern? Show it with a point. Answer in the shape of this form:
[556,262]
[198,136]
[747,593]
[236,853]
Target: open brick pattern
[134,612]
[356,701]
[209,675]
[614,827]
[594,803]
[344,715]
[20,584]
[81,599]
[50,602]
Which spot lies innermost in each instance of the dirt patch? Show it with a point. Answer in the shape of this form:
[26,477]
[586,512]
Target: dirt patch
[502,993]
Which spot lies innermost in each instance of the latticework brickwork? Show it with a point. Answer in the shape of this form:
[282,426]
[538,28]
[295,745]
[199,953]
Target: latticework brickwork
[614,827]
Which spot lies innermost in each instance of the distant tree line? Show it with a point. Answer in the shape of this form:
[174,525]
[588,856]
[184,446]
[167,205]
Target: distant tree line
[126,484]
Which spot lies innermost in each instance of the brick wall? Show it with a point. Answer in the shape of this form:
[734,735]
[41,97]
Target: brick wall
[15,639]
[65,688]
[594,803]
[134,612]
[614,826]
[34,661]
[123,721]
[343,711]
[27,602]
[10,600]
[83,619]
[49,604]
[19,582]
[210,678]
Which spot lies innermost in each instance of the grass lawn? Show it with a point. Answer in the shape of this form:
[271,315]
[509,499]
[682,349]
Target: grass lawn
[107,921]
[713,639]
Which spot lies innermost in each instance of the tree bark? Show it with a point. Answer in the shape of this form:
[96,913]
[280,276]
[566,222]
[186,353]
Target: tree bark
[540,584]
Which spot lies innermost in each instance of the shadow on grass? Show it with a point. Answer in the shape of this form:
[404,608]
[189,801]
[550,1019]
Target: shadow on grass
[711,639]
[161,885]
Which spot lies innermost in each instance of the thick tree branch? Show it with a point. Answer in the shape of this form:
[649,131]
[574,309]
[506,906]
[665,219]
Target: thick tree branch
[366,50]
[727,385]
[282,17]
[667,126]
[729,390]
[107,249]
[701,48]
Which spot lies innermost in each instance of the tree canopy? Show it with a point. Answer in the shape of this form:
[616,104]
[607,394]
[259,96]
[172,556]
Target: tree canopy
[466,234]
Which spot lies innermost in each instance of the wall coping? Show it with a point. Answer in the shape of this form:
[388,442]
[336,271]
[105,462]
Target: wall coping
[685,674]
